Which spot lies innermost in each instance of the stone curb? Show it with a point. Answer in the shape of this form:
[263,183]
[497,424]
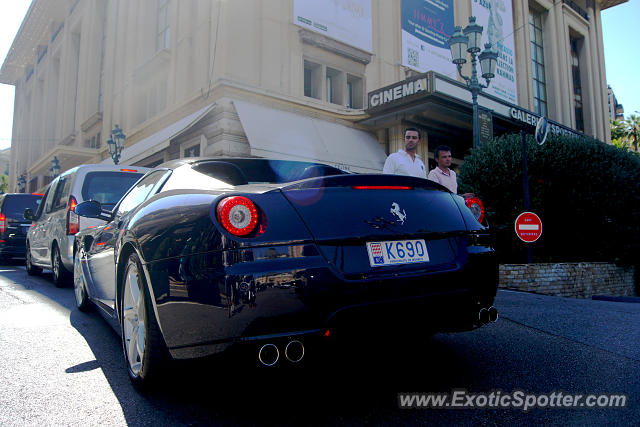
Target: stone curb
[616,299]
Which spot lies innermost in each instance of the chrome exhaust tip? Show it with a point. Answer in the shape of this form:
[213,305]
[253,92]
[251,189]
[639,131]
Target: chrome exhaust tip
[294,351]
[268,354]
[493,314]
[483,316]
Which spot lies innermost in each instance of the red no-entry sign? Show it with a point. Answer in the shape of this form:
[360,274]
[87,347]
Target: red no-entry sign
[528,227]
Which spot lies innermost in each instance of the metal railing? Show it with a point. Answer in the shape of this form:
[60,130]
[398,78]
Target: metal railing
[580,11]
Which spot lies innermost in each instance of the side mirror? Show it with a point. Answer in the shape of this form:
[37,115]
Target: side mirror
[89,209]
[28,214]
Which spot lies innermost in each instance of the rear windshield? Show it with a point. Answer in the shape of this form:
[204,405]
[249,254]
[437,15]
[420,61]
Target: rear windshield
[14,205]
[252,171]
[108,187]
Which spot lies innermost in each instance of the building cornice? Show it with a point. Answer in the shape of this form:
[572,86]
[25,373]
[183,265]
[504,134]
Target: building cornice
[606,4]
[35,30]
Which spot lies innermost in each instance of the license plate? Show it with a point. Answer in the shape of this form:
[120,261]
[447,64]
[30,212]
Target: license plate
[395,252]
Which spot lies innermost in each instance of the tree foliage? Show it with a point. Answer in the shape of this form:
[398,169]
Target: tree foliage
[632,130]
[618,130]
[587,194]
[4,184]
[625,133]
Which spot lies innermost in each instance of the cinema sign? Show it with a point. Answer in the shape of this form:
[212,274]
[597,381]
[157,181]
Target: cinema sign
[398,92]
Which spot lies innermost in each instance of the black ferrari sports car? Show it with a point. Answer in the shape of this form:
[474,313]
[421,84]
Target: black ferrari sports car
[205,254]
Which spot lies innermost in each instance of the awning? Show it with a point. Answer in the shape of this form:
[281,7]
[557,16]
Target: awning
[67,156]
[159,140]
[279,134]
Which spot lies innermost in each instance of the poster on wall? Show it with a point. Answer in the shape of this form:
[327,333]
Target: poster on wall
[427,25]
[348,21]
[496,17]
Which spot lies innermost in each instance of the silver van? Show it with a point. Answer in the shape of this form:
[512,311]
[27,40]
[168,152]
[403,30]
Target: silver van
[49,242]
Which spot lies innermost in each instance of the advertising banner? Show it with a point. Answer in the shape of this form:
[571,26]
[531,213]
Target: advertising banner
[348,21]
[427,25]
[496,17]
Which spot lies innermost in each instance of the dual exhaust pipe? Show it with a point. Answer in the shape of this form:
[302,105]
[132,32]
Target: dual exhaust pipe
[487,315]
[269,354]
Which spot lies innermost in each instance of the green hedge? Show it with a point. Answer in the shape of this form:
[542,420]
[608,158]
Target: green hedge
[587,194]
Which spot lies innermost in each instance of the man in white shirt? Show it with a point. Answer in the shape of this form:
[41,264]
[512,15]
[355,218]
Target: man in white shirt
[443,174]
[407,161]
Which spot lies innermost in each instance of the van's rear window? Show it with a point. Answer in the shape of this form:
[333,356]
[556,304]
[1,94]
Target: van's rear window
[14,205]
[108,187]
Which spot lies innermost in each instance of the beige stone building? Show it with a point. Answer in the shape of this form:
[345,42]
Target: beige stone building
[299,79]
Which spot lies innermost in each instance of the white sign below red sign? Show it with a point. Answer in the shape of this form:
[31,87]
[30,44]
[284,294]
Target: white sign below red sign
[528,227]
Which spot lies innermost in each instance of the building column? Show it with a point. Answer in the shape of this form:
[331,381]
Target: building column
[564,93]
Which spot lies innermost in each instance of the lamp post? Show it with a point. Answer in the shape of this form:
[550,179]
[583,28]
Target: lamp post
[469,40]
[54,170]
[116,143]
[22,183]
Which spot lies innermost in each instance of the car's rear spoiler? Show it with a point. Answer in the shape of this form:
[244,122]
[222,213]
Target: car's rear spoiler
[366,181]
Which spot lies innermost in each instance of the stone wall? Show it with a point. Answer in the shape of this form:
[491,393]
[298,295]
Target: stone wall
[579,280]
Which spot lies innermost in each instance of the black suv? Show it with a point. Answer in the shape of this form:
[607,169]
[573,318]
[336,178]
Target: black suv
[13,226]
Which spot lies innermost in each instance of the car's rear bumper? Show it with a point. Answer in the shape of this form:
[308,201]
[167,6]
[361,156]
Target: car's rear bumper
[12,246]
[206,302]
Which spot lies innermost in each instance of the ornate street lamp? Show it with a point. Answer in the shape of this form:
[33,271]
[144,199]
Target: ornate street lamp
[116,143]
[54,170]
[22,184]
[469,40]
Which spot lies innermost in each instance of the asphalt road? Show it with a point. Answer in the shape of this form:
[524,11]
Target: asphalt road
[59,366]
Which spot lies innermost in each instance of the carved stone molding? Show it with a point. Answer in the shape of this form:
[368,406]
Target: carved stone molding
[315,39]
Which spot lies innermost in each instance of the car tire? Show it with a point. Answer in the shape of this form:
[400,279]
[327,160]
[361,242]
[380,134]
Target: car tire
[60,273]
[79,285]
[32,270]
[144,348]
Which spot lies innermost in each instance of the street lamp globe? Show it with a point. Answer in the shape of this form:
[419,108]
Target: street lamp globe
[22,183]
[488,59]
[458,45]
[116,143]
[474,32]
[112,147]
[54,170]
[118,137]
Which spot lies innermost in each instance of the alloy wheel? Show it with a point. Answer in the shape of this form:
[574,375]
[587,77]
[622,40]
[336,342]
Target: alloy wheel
[79,287]
[56,265]
[133,322]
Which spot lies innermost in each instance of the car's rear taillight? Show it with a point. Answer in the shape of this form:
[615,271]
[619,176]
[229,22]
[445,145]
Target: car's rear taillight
[238,215]
[73,220]
[476,207]
[3,223]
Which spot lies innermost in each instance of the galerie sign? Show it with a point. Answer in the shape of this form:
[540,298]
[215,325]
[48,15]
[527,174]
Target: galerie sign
[532,119]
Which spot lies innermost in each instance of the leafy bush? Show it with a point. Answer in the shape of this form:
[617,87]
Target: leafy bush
[587,194]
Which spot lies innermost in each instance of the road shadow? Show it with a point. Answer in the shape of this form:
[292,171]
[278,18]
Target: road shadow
[354,377]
